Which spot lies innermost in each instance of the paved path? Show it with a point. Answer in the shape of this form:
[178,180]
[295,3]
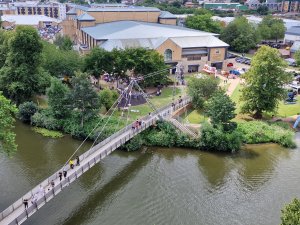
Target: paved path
[44,192]
[233,83]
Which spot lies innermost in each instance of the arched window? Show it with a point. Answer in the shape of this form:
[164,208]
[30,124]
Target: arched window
[168,55]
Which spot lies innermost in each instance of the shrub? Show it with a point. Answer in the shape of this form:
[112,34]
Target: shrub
[255,132]
[26,111]
[46,120]
[48,133]
[135,143]
[291,213]
[214,138]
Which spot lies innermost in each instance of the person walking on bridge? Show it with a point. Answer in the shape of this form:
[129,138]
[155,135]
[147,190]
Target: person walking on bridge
[60,176]
[25,202]
[71,164]
[65,173]
[77,161]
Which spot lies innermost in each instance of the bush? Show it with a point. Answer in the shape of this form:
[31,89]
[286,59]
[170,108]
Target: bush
[291,213]
[255,132]
[46,120]
[215,139]
[26,111]
[135,143]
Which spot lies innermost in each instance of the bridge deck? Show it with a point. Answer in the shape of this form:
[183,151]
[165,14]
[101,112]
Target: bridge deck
[44,192]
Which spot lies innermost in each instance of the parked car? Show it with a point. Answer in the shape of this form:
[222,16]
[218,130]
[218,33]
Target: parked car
[231,56]
[293,64]
[248,62]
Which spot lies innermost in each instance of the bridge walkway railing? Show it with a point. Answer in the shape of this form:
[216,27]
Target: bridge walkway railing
[16,213]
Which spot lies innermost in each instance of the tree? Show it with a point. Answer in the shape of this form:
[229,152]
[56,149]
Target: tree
[240,35]
[201,90]
[7,136]
[290,214]
[60,63]
[63,42]
[58,99]
[26,111]
[297,57]
[83,97]
[21,76]
[4,47]
[203,23]
[220,108]
[98,61]
[265,82]
[263,10]
[107,97]
[271,28]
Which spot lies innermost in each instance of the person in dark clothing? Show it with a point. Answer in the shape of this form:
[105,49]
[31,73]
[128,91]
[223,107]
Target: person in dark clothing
[77,161]
[52,184]
[25,202]
[60,176]
[65,173]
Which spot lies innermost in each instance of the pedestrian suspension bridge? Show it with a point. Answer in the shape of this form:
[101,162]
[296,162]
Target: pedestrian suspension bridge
[52,186]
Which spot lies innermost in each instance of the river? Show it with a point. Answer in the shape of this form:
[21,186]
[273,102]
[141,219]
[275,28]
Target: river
[156,186]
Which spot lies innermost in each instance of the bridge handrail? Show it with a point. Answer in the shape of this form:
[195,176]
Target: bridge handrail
[148,121]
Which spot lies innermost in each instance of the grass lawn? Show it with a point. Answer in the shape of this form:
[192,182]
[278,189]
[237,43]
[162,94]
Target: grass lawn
[284,110]
[193,116]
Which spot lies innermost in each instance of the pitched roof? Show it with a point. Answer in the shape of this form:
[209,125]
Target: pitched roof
[136,29]
[295,47]
[150,43]
[85,17]
[203,41]
[72,11]
[295,30]
[166,15]
[124,9]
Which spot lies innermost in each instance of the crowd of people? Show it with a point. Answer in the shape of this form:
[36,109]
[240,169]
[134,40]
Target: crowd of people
[49,32]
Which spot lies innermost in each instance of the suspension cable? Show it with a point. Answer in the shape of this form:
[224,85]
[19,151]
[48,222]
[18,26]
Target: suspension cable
[130,84]
[96,126]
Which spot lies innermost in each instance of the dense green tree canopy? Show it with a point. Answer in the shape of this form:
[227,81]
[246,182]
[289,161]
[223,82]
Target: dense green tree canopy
[203,23]
[290,214]
[63,42]
[98,61]
[265,82]
[271,28]
[201,90]
[60,63]
[108,97]
[26,111]
[7,113]
[138,61]
[21,76]
[58,101]
[263,10]
[240,35]
[297,57]
[83,98]
[220,108]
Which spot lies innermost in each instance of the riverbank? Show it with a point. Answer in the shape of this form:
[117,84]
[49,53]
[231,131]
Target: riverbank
[164,185]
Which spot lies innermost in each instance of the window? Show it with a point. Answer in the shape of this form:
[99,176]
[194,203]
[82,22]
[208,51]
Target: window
[217,51]
[168,55]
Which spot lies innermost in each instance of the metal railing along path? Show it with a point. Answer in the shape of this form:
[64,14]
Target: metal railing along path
[16,213]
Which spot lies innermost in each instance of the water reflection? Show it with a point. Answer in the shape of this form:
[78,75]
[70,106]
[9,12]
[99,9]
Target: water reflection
[214,167]
[255,172]
[97,199]
[252,167]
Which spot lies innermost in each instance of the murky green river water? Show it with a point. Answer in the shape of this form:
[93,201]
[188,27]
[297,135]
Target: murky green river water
[157,186]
